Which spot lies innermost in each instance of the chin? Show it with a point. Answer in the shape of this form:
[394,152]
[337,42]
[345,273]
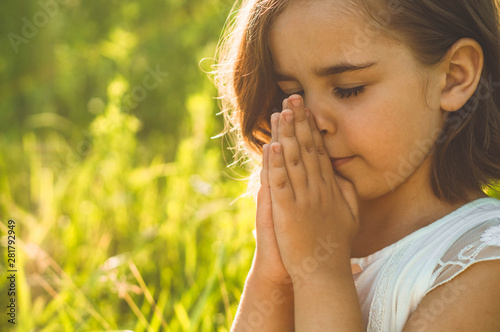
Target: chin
[369,192]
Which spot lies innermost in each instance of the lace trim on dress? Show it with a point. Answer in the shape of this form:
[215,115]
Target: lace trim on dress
[481,243]
[378,306]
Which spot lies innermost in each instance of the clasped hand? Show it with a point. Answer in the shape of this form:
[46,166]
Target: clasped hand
[306,214]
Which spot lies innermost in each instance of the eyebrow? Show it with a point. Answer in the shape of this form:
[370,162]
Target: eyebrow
[328,71]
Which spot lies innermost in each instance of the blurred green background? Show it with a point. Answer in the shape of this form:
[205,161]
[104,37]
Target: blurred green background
[126,212]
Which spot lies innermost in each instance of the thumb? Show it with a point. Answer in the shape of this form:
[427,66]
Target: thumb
[264,218]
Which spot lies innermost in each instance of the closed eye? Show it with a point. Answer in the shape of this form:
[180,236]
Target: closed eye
[349,93]
[339,92]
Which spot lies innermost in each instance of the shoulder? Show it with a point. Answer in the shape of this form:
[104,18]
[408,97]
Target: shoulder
[468,302]
[478,243]
[465,237]
[434,260]
[464,294]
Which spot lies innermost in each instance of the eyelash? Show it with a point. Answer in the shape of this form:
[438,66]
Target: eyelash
[348,93]
[341,93]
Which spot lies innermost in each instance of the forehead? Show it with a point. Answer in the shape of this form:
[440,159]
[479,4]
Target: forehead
[319,32]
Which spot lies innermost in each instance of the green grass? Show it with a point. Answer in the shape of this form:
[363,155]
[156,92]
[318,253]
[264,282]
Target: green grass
[110,236]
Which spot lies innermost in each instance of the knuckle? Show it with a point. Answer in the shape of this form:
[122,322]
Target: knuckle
[278,164]
[320,149]
[309,147]
[295,160]
[283,184]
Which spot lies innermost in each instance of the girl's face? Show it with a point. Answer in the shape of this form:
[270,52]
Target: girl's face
[374,103]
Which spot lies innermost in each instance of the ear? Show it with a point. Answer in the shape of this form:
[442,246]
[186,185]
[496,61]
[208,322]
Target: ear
[462,66]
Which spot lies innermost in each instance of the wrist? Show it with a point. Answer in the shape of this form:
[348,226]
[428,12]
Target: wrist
[267,274]
[268,283]
[265,306]
[315,274]
[327,298]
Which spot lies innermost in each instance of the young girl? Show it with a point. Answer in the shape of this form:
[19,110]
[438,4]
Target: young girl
[378,123]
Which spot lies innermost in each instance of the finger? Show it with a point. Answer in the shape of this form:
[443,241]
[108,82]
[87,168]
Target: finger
[282,192]
[325,163]
[285,104]
[303,132]
[264,219]
[291,151]
[348,192]
[274,127]
[264,173]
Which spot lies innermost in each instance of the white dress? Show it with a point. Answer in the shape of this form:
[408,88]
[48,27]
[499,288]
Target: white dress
[394,280]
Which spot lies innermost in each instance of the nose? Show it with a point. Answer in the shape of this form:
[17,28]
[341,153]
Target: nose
[323,113]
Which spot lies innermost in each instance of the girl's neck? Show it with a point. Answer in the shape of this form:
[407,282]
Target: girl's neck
[389,218]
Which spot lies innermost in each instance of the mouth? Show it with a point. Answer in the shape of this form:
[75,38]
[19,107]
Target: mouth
[339,162]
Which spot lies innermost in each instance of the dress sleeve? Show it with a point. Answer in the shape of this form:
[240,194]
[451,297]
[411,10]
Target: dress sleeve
[480,243]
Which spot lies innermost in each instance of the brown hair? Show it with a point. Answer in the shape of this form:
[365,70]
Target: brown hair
[467,154]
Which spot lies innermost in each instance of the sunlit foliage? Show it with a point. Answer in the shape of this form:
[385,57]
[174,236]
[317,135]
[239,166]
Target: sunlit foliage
[126,213]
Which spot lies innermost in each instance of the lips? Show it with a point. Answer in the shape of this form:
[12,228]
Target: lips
[339,162]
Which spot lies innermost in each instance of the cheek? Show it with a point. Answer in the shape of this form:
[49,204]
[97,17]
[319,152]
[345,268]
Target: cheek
[393,131]
[380,129]
[392,149]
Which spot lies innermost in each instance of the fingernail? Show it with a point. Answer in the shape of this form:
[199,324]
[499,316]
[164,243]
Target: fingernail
[296,102]
[285,102]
